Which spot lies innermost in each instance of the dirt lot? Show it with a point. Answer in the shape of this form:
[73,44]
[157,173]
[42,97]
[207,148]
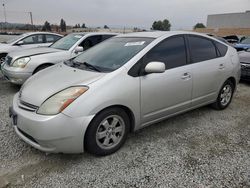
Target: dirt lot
[201,148]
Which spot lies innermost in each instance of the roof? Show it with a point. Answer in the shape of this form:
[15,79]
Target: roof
[93,33]
[39,32]
[158,34]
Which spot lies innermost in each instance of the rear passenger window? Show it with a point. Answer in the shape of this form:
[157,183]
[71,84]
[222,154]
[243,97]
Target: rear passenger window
[201,49]
[171,51]
[222,48]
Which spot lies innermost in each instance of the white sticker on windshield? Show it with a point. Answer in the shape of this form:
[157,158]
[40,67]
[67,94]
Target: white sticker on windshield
[140,43]
[78,36]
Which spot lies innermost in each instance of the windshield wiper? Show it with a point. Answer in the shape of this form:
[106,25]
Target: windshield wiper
[79,64]
[92,67]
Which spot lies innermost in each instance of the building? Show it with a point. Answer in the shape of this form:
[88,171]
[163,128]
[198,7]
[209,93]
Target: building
[231,20]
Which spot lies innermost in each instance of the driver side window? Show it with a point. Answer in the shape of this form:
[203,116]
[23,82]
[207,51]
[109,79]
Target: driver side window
[34,39]
[171,51]
[91,41]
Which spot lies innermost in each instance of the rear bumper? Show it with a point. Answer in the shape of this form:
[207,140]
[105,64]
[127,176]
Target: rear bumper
[57,134]
[15,77]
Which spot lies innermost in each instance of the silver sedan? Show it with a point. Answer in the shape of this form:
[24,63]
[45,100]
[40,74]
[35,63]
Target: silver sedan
[126,83]
[19,66]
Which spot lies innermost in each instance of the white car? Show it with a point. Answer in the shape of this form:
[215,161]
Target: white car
[19,66]
[27,40]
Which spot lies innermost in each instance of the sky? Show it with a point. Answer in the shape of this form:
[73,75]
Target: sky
[182,14]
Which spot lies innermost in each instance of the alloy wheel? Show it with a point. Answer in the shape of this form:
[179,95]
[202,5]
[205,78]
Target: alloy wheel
[110,132]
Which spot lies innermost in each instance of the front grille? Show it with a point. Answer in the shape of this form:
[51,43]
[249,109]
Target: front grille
[26,106]
[8,60]
[28,136]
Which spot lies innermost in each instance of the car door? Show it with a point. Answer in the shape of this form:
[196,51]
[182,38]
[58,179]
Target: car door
[207,69]
[32,41]
[164,94]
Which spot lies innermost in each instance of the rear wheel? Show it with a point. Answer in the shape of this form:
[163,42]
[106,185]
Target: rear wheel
[107,132]
[225,96]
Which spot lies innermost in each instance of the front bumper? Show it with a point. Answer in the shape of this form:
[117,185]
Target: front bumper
[245,71]
[15,75]
[56,134]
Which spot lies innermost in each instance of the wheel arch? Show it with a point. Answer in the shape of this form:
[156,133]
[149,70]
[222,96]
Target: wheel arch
[44,64]
[128,111]
[233,80]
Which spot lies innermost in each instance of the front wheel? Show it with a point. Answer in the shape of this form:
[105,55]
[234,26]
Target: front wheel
[225,96]
[107,132]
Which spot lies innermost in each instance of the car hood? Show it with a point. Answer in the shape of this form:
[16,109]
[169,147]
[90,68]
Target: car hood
[244,57]
[5,47]
[32,52]
[47,82]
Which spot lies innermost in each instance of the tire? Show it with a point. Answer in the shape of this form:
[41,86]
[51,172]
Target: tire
[225,96]
[107,132]
[41,68]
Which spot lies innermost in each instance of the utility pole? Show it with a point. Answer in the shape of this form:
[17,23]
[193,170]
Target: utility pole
[5,20]
[31,20]
[4,12]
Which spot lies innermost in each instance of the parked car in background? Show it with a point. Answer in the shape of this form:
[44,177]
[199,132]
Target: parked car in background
[244,44]
[27,40]
[128,82]
[233,39]
[19,66]
[245,64]
[223,40]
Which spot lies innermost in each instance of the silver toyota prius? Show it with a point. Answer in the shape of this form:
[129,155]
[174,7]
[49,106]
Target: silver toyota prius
[127,82]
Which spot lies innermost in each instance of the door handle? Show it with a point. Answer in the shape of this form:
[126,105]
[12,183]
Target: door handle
[186,76]
[221,66]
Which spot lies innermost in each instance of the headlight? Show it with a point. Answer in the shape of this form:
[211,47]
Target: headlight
[58,102]
[21,62]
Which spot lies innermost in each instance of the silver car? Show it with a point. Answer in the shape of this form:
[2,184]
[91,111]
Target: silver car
[19,66]
[27,40]
[126,83]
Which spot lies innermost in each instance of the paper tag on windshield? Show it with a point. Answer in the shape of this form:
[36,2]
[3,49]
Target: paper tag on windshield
[140,43]
[78,36]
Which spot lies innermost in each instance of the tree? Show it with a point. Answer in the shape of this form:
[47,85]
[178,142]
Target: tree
[161,25]
[199,25]
[63,26]
[77,26]
[46,26]
[83,25]
[106,27]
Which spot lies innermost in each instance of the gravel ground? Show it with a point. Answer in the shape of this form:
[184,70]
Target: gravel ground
[201,148]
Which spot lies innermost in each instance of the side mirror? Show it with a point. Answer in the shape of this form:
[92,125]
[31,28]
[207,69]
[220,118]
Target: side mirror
[20,43]
[78,49]
[155,67]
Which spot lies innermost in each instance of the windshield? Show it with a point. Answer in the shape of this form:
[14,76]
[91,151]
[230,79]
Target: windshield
[13,39]
[67,42]
[113,53]
[245,41]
